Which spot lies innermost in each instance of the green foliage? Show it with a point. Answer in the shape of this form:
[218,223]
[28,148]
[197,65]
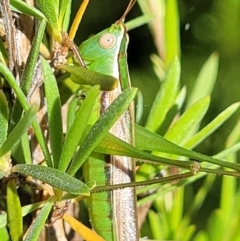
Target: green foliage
[53,110]
[39,222]
[101,127]
[22,7]
[76,129]
[82,77]
[50,10]
[174,218]
[15,222]
[54,177]
[174,126]
[4,113]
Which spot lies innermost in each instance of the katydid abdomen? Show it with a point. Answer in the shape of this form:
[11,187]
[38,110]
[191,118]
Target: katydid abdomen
[113,213]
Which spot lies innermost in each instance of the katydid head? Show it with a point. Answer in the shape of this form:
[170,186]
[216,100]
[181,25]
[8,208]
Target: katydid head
[108,40]
[100,53]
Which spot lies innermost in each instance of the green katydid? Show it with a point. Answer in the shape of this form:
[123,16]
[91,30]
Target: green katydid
[105,53]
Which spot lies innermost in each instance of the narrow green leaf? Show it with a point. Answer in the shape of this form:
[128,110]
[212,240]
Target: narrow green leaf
[25,210]
[165,97]
[29,70]
[181,97]
[4,115]
[114,146]
[22,99]
[234,136]
[155,221]
[84,76]
[139,21]
[205,80]
[201,236]
[101,127]
[173,112]
[15,222]
[212,126]
[229,185]
[172,34]
[4,234]
[157,27]
[158,143]
[187,232]
[22,7]
[63,5]
[53,111]
[217,225]
[146,7]
[71,112]
[28,73]
[13,84]
[21,152]
[77,128]
[67,17]
[53,177]
[19,130]
[176,213]
[179,131]
[38,224]
[158,66]
[228,151]
[27,154]
[50,10]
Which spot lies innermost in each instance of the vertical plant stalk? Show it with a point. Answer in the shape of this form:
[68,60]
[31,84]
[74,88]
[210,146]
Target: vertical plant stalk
[10,33]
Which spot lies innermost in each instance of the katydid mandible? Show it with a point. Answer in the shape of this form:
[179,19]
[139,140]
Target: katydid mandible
[113,214]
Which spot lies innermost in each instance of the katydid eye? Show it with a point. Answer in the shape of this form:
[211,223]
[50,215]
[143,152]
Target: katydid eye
[107,41]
